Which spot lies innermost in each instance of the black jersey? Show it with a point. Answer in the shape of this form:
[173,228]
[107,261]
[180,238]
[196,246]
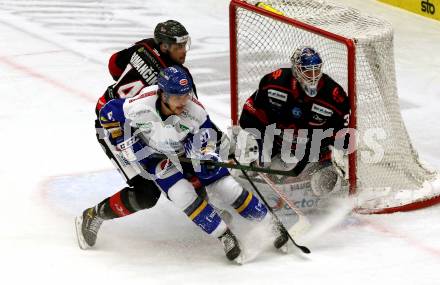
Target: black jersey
[135,68]
[280,100]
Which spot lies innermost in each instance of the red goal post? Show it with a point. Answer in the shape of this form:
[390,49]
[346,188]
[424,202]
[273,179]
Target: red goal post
[252,42]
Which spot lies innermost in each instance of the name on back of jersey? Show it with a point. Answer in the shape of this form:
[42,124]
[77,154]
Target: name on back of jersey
[146,71]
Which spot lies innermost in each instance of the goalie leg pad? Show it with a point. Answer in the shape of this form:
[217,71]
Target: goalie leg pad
[325,180]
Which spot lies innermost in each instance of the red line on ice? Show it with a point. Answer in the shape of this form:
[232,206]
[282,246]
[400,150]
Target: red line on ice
[53,82]
[412,241]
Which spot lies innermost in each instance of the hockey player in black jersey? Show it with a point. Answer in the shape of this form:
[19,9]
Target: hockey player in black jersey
[300,98]
[138,66]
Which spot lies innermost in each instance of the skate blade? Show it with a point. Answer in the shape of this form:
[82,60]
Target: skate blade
[79,236]
[284,249]
[239,260]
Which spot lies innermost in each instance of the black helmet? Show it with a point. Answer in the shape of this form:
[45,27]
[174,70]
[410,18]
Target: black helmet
[170,32]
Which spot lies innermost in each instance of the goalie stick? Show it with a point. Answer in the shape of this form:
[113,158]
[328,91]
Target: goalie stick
[304,249]
[303,223]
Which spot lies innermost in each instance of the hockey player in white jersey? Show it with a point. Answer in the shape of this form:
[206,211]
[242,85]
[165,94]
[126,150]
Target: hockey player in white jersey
[167,119]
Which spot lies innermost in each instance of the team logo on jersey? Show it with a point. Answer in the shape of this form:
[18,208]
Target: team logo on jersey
[110,116]
[183,82]
[337,96]
[297,112]
[275,94]
[322,110]
[165,169]
[277,74]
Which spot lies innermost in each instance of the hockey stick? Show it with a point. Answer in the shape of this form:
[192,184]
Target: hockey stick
[301,247]
[293,173]
[303,223]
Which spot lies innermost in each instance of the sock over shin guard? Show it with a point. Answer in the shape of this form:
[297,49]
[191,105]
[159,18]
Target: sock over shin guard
[198,210]
[249,206]
[128,201]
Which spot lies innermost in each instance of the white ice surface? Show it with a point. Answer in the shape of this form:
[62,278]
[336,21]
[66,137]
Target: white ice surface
[53,68]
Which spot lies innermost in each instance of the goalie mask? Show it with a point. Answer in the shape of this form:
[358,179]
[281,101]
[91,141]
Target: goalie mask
[306,66]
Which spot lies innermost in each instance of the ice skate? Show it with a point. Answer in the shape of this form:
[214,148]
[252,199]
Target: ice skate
[281,236]
[231,247]
[87,226]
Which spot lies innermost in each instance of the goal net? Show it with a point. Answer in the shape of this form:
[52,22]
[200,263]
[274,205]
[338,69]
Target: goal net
[357,51]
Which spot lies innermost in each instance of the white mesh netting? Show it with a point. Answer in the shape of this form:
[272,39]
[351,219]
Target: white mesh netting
[265,44]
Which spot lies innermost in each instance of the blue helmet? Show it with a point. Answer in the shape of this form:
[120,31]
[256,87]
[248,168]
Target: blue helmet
[174,81]
[306,66]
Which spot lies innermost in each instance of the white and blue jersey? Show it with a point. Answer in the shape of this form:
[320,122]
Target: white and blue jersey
[135,124]
[142,113]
